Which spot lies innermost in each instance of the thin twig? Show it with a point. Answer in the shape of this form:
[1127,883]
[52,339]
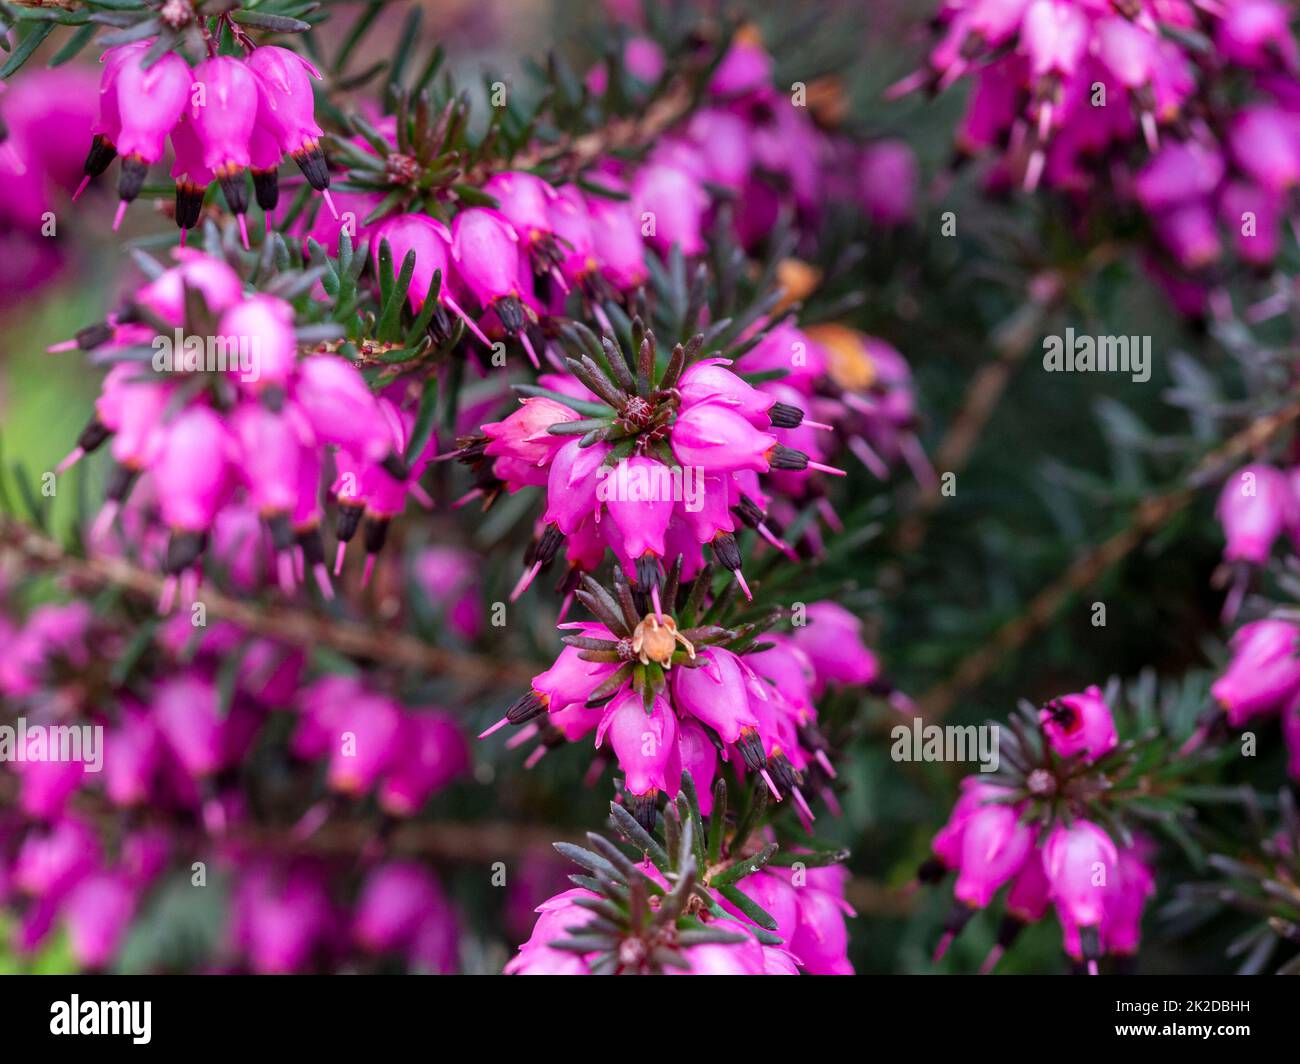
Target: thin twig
[282,623]
[1150,515]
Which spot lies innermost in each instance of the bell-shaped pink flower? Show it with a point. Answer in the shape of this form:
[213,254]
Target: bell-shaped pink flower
[673,205]
[832,639]
[264,324]
[1255,507]
[1264,672]
[394,899]
[617,241]
[645,743]
[994,845]
[523,434]
[97,913]
[223,118]
[366,739]
[573,483]
[341,408]
[1121,928]
[1080,724]
[213,278]
[638,495]
[716,693]
[1082,866]
[716,439]
[192,474]
[1265,144]
[149,104]
[286,108]
[432,753]
[888,182]
[1256,34]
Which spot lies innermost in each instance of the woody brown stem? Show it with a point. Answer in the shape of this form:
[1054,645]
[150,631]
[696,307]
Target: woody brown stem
[282,623]
[1150,515]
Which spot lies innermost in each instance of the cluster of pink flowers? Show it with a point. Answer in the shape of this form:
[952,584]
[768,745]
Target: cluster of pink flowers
[1063,86]
[262,442]
[756,149]
[808,905]
[285,918]
[227,118]
[756,711]
[169,757]
[1097,886]
[718,429]
[1262,680]
[41,116]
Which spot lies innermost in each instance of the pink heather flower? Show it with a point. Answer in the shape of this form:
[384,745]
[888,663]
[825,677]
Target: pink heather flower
[449,579]
[1031,893]
[265,325]
[1054,35]
[50,861]
[397,901]
[833,641]
[947,842]
[149,103]
[717,694]
[1080,724]
[47,785]
[573,483]
[788,349]
[286,108]
[699,758]
[559,918]
[486,251]
[642,58]
[571,680]
[888,182]
[1265,144]
[994,845]
[132,754]
[1255,507]
[192,474]
[645,743]
[640,516]
[341,407]
[1133,885]
[789,671]
[1260,247]
[1256,34]
[97,912]
[714,438]
[710,380]
[224,124]
[432,753]
[524,200]
[1264,672]
[281,921]
[523,434]
[676,204]
[219,285]
[187,712]
[724,143]
[821,938]
[616,240]
[269,447]
[746,67]
[366,738]
[1180,173]
[1082,865]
